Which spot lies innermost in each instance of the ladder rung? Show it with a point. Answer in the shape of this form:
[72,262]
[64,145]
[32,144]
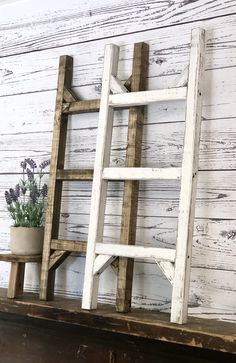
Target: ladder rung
[81,106]
[121,250]
[141,173]
[72,246]
[146,97]
[73,174]
[126,100]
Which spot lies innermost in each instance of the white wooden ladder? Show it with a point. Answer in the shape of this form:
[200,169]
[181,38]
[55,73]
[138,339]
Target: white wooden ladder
[175,263]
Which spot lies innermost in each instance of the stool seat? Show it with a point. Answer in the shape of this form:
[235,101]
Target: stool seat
[17,274]
[10,257]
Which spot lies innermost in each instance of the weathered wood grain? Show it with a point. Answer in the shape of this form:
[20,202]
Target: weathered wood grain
[68,245]
[81,106]
[147,174]
[57,161]
[216,197]
[162,145]
[9,257]
[208,334]
[189,174]
[131,189]
[73,174]
[169,51]
[211,237]
[16,280]
[99,186]
[106,18]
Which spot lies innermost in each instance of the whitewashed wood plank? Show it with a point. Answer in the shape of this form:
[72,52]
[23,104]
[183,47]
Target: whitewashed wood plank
[216,196]
[216,104]
[168,55]
[211,237]
[141,173]
[133,16]
[147,97]
[159,254]
[162,146]
[179,304]
[98,198]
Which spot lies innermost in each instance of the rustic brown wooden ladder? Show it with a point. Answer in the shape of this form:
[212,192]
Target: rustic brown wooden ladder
[56,250]
[175,263]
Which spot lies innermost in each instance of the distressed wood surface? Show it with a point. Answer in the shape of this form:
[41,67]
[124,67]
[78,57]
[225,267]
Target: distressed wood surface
[215,237]
[57,161]
[96,21]
[162,145]
[216,197]
[99,186]
[85,174]
[9,257]
[204,334]
[139,252]
[187,199]
[161,142]
[131,189]
[147,97]
[16,280]
[135,173]
[56,341]
[37,71]
[29,79]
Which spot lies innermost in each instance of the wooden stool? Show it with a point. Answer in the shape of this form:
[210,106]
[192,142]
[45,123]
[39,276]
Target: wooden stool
[17,274]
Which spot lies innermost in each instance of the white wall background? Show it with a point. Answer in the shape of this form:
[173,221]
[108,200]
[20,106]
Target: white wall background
[32,37]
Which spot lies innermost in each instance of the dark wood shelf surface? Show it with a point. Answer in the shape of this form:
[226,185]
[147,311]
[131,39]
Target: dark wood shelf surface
[198,333]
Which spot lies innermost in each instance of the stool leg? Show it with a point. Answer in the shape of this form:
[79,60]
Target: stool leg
[16,281]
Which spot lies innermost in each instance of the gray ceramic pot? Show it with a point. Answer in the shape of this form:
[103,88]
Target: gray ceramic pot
[26,240]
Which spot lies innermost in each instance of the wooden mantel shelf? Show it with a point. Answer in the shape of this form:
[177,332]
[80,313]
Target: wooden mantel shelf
[197,333]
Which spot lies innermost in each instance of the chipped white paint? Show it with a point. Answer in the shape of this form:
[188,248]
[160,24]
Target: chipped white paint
[141,173]
[147,97]
[179,304]
[139,252]
[98,198]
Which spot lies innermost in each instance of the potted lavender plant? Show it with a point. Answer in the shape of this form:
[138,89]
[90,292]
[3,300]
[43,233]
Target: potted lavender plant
[26,204]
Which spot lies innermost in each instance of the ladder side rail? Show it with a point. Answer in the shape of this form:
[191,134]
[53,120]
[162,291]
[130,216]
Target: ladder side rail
[55,186]
[189,179]
[98,199]
[131,188]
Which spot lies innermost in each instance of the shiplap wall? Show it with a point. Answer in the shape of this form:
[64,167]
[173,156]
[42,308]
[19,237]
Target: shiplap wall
[32,36]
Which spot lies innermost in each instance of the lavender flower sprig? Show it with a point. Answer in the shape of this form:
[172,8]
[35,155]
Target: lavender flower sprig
[26,202]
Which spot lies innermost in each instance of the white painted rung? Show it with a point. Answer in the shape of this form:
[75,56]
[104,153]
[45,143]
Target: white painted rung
[146,97]
[121,250]
[141,173]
